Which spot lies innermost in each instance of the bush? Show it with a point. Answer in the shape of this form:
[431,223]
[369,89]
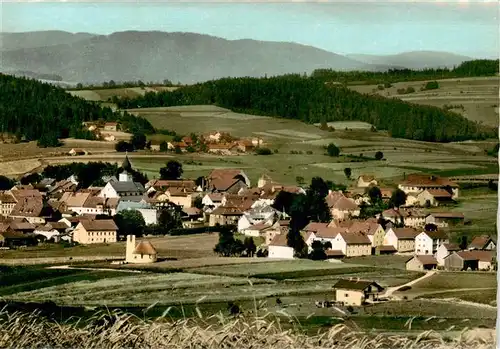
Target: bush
[263,151]
[381,87]
[379,155]
[309,152]
[123,146]
[431,85]
[332,150]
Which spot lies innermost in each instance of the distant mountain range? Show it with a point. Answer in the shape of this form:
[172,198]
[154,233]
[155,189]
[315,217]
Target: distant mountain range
[414,59]
[181,57]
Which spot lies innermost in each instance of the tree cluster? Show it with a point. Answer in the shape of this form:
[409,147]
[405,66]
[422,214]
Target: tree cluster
[310,100]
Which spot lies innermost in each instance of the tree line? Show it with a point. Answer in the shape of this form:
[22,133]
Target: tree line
[479,67]
[32,110]
[310,100]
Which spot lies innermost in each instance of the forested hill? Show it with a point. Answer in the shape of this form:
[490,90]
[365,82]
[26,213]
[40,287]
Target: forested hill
[473,68]
[31,109]
[311,100]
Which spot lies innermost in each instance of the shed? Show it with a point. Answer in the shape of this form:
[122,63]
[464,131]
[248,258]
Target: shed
[421,262]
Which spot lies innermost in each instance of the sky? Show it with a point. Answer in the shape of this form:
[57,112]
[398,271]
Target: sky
[372,27]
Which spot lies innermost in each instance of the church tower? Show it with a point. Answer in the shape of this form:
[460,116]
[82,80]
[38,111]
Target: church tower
[125,175]
[130,248]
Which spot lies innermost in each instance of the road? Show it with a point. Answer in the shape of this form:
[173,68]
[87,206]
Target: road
[390,290]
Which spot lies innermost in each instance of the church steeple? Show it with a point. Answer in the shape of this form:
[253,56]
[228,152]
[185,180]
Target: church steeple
[126,166]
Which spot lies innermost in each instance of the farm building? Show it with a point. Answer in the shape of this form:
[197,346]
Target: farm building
[434,197]
[278,248]
[416,183]
[483,242]
[428,242]
[351,244]
[224,215]
[365,181]
[95,231]
[11,238]
[341,208]
[356,292]
[470,260]
[111,126]
[444,219]
[421,262]
[143,252]
[444,250]
[402,239]
[227,180]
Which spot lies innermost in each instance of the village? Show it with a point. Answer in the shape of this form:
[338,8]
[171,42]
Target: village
[51,212]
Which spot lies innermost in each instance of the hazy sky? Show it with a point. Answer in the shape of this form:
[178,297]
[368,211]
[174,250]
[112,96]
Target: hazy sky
[464,27]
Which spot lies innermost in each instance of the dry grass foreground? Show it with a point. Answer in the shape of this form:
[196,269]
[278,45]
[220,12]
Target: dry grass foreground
[118,330]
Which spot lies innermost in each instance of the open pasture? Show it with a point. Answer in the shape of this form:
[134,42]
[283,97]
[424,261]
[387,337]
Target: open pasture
[476,98]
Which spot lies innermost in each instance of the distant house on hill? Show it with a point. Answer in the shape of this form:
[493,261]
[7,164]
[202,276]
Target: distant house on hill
[444,219]
[77,151]
[416,183]
[365,181]
[434,197]
[111,126]
[341,208]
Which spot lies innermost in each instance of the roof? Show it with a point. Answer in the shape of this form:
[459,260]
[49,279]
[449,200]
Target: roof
[425,259]
[438,234]
[452,247]
[315,226]
[227,211]
[439,193]
[111,124]
[259,226]
[25,193]
[75,199]
[329,232]
[359,285]
[191,211]
[279,240]
[7,198]
[28,207]
[355,238]
[344,204]
[131,205]
[387,248]
[22,226]
[392,213]
[334,253]
[99,225]
[216,197]
[180,191]
[223,179]
[145,247]
[453,215]
[480,242]
[368,228]
[127,187]
[11,234]
[166,183]
[482,256]
[422,180]
[405,233]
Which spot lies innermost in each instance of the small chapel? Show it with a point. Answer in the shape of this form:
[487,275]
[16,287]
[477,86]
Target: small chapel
[143,252]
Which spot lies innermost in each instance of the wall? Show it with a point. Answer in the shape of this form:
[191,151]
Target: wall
[349,297]
[406,245]
[358,250]
[280,252]
[414,264]
[423,244]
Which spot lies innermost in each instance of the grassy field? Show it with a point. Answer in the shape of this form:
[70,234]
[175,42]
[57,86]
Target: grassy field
[487,296]
[475,98]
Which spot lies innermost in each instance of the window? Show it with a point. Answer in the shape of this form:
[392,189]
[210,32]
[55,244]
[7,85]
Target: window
[346,295]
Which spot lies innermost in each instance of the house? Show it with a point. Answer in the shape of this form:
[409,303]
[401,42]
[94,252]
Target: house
[227,180]
[77,151]
[416,183]
[111,126]
[47,232]
[393,215]
[434,197]
[212,200]
[374,231]
[365,181]
[266,215]
[351,244]
[11,239]
[280,227]
[191,217]
[109,138]
[444,219]
[95,231]
[225,215]
[177,145]
[222,148]
[22,226]
[32,209]
[427,242]
[148,212]
[314,227]
[155,146]
[341,207]
[444,250]
[483,242]
[356,292]
[180,196]
[414,218]
[142,253]
[278,248]
[7,203]
[402,239]
[470,260]
[421,262]
[125,190]
[164,184]
[245,145]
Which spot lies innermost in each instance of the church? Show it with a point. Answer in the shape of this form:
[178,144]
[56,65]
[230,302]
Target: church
[143,252]
[125,188]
